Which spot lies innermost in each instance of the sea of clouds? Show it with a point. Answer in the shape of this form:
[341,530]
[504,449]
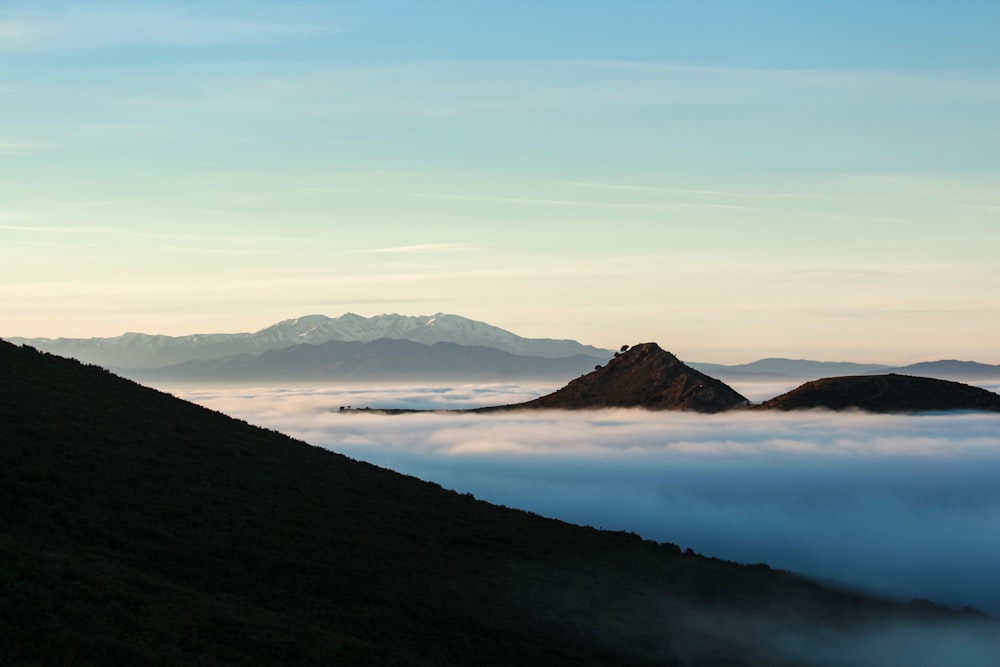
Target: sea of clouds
[907,506]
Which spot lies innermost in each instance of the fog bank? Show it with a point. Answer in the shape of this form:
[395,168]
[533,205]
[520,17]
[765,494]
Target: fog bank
[900,505]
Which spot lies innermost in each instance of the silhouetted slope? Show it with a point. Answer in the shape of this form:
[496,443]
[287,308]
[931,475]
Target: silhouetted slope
[644,376]
[137,529]
[885,393]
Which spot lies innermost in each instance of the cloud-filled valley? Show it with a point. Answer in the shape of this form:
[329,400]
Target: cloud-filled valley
[899,505]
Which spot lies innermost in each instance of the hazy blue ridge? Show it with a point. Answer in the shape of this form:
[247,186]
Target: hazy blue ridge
[385,359]
[140,350]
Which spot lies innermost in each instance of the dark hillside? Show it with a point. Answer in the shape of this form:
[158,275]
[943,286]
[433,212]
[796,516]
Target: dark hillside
[885,393]
[137,529]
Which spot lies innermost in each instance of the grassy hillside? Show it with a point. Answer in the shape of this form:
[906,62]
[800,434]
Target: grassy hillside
[138,529]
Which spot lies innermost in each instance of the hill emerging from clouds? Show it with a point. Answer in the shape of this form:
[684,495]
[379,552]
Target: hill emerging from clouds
[139,529]
[644,376]
[888,393]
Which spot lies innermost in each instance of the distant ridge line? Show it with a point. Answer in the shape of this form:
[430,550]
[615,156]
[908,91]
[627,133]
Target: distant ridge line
[138,350]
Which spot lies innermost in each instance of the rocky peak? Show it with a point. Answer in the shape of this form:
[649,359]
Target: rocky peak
[644,376]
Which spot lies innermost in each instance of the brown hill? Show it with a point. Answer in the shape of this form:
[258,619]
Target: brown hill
[644,376]
[885,393]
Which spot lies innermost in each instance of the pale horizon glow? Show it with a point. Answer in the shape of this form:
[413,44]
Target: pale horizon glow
[730,180]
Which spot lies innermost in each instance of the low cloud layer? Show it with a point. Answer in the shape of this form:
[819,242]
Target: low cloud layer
[900,505]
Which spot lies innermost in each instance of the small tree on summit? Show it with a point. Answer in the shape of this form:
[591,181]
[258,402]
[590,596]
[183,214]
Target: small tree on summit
[624,348]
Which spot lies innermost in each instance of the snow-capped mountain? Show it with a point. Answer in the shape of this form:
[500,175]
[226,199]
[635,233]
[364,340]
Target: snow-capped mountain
[139,350]
[428,329]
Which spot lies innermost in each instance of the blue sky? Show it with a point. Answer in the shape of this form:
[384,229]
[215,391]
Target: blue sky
[730,179]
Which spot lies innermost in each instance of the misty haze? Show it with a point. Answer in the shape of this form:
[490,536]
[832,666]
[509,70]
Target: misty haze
[899,505]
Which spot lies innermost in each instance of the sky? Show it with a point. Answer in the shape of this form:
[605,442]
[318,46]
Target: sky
[899,505]
[733,180]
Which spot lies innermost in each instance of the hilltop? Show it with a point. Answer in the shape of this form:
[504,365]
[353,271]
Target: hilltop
[140,529]
[885,393]
[644,376]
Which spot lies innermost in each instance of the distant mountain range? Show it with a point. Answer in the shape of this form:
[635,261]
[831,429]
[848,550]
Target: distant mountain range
[949,369]
[307,355]
[805,369]
[787,368]
[385,359]
[139,350]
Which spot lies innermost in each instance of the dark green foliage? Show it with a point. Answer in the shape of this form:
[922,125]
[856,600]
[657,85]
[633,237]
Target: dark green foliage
[137,529]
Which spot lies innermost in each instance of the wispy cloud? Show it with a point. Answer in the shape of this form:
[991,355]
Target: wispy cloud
[550,202]
[58,229]
[16,147]
[104,25]
[450,90]
[205,250]
[688,191]
[433,248]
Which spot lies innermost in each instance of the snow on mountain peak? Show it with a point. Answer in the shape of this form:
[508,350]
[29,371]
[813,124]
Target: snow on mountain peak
[137,350]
